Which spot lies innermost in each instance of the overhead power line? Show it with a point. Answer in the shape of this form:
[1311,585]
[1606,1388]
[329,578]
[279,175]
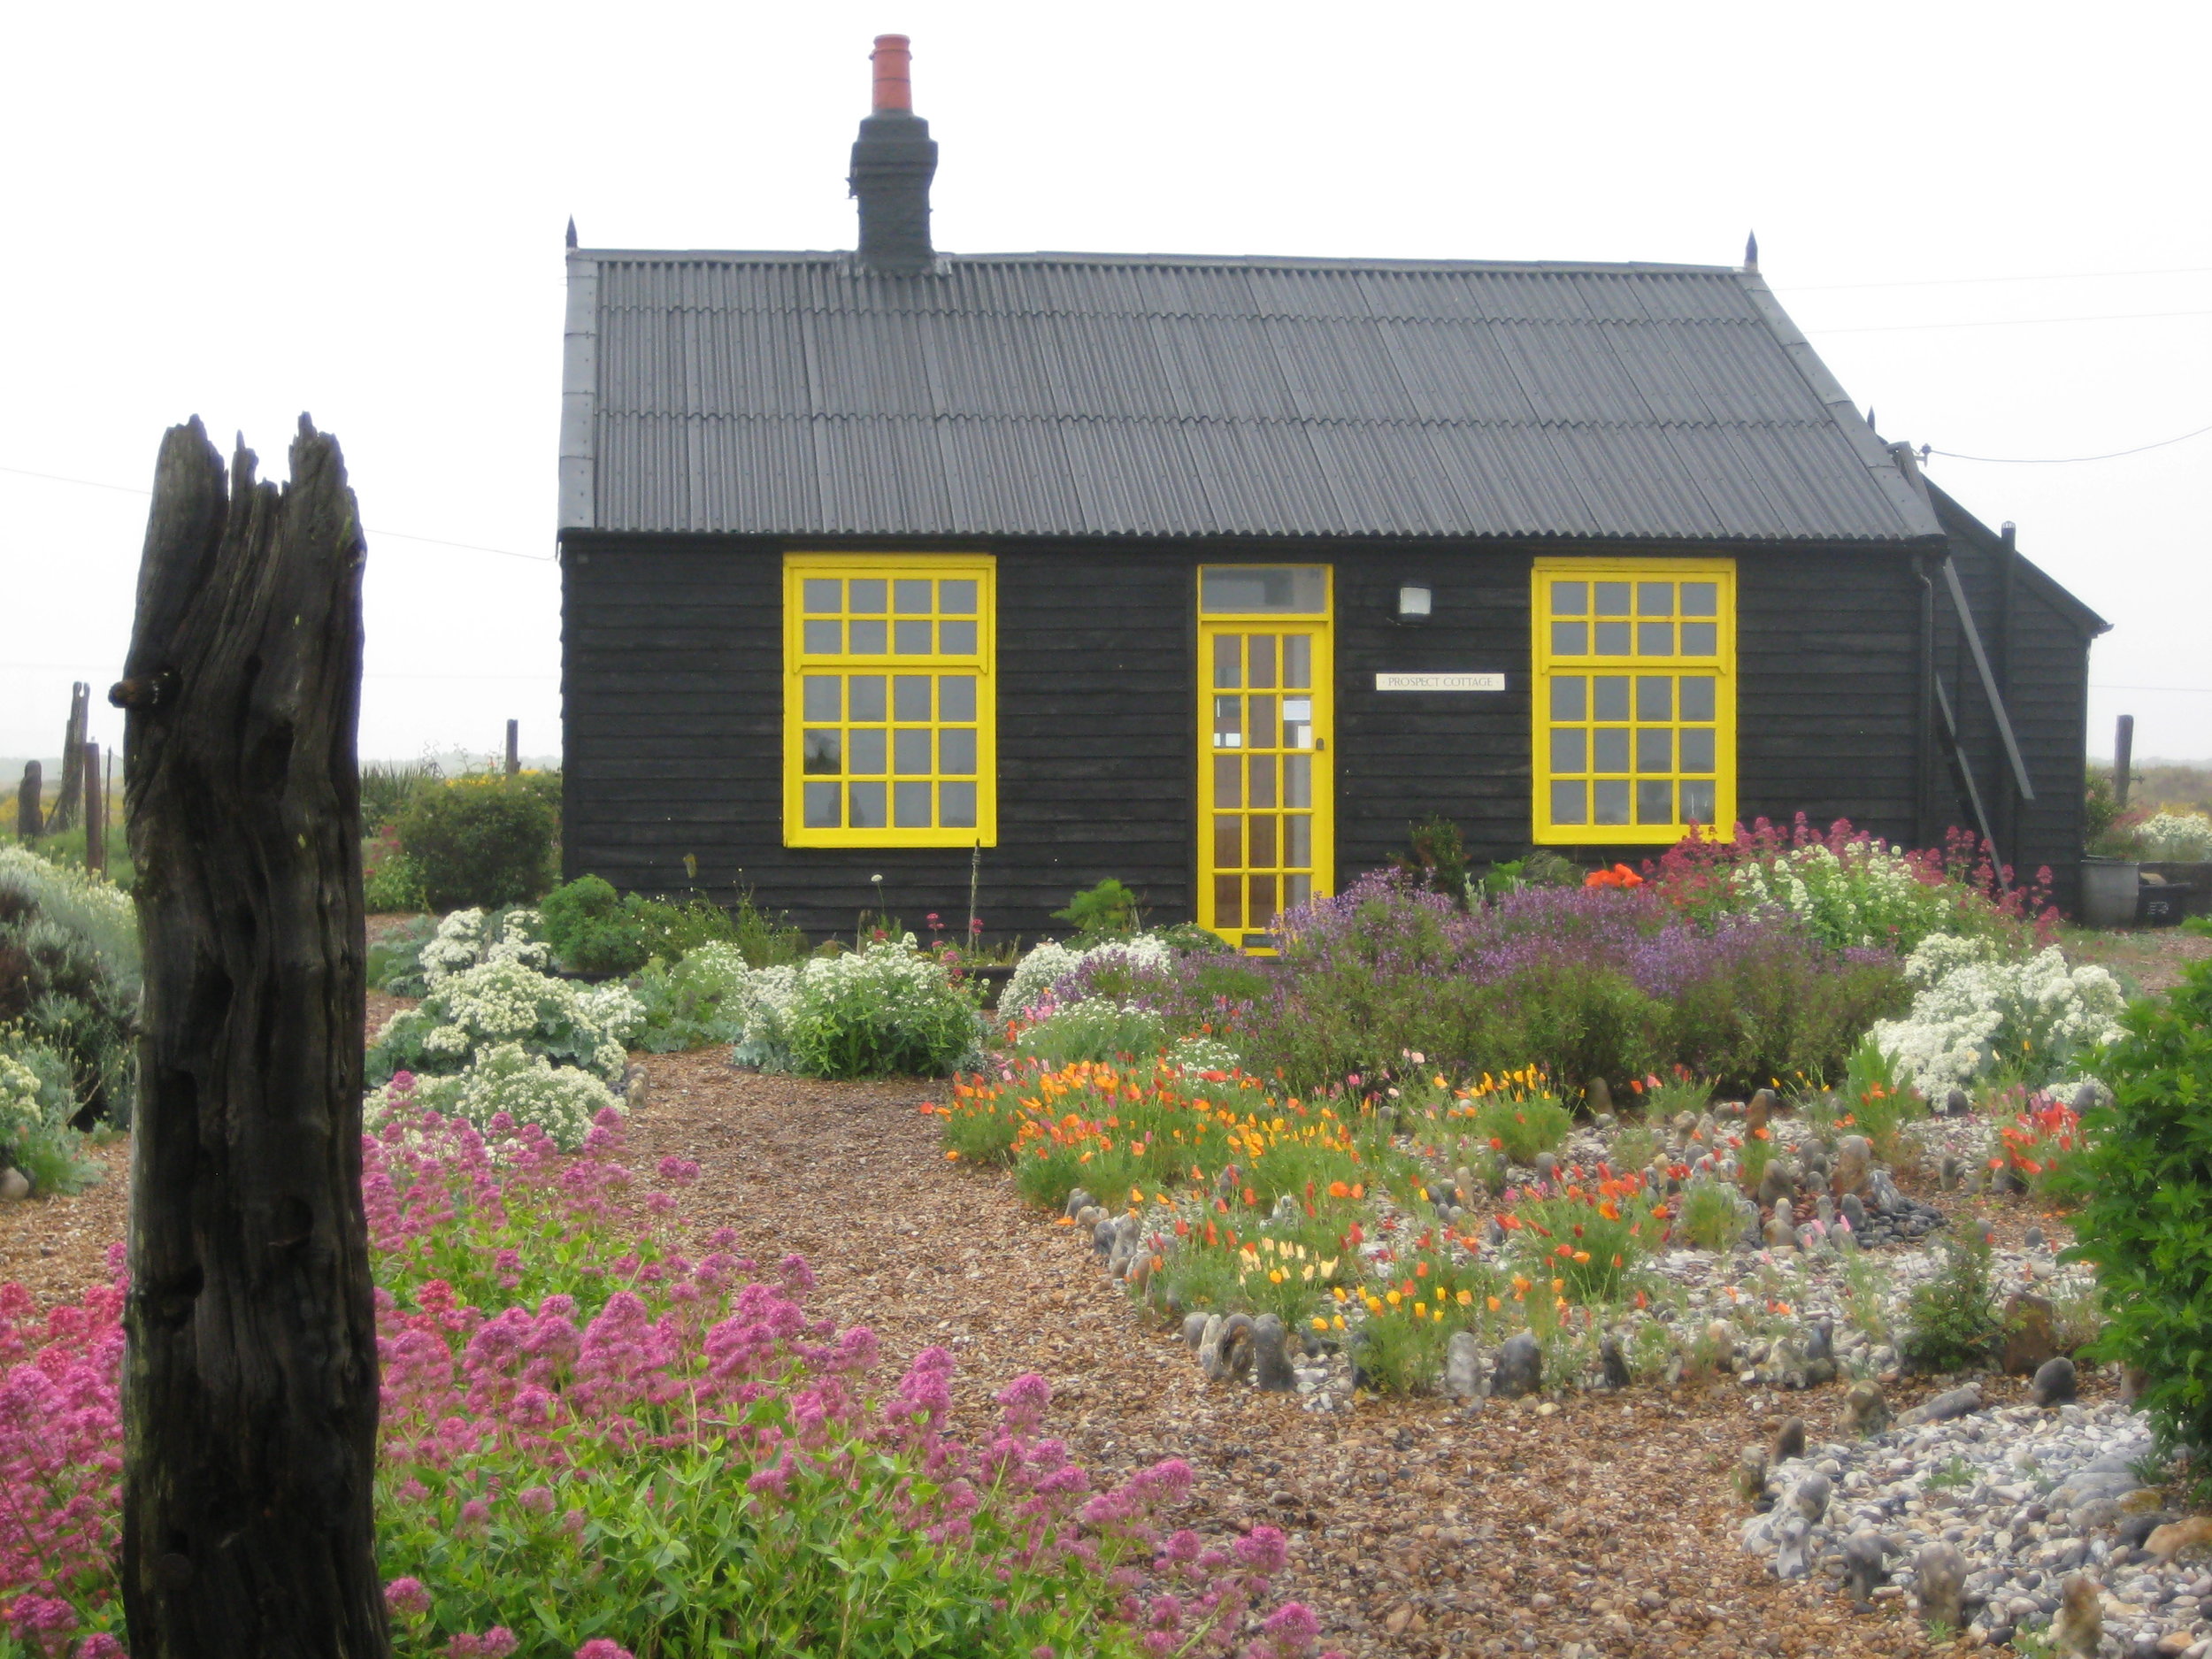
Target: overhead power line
[2010,322]
[2068,460]
[1944,282]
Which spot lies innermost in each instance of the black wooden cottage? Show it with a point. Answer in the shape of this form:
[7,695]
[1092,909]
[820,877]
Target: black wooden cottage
[1213,574]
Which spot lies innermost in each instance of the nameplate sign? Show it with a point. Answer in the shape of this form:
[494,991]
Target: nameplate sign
[1440,682]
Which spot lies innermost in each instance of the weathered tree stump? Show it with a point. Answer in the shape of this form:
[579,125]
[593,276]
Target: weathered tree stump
[30,818]
[63,817]
[250,1375]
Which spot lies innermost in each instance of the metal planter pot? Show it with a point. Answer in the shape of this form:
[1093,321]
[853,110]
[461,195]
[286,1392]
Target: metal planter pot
[2109,892]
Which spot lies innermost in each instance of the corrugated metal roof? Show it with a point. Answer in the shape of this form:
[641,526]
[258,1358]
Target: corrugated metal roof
[1054,395]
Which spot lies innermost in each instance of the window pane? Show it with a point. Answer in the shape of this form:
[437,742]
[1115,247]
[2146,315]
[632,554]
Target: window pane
[957,598]
[821,806]
[1569,804]
[823,594]
[1298,841]
[1697,748]
[1612,697]
[914,637]
[1263,779]
[821,751]
[1228,660]
[868,638]
[868,598]
[1612,801]
[1656,639]
[1610,749]
[955,751]
[824,639]
[1570,599]
[1569,697]
[911,747]
[1612,638]
[1568,748]
[1297,722]
[1262,841]
[1654,599]
[1263,722]
[1697,801]
[1701,639]
[1612,599]
[954,639]
[1228,722]
[1297,662]
[910,597]
[866,691]
[1228,780]
[912,802]
[1228,900]
[956,697]
[1295,590]
[824,695]
[909,696]
[956,805]
[1570,639]
[1262,652]
[1228,840]
[1697,697]
[1297,890]
[1262,892]
[1700,599]
[866,801]
[1655,802]
[867,750]
[1655,697]
[1297,781]
[1654,749]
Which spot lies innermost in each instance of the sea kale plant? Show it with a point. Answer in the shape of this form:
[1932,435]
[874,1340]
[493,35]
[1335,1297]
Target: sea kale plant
[69,980]
[1978,1015]
[888,1010]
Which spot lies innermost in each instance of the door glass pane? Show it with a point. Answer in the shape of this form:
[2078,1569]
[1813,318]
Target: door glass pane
[956,697]
[1700,599]
[1229,900]
[868,638]
[1297,781]
[1262,835]
[911,747]
[1697,801]
[1262,652]
[1228,774]
[912,800]
[1612,599]
[824,693]
[821,751]
[1262,719]
[824,639]
[821,806]
[1228,840]
[1567,748]
[1654,749]
[1611,796]
[1570,599]
[1570,639]
[1228,660]
[1298,840]
[956,805]
[909,598]
[868,597]
[1568,803]
[1654,599]
[955,639]
[1612,697]
[914,638]
[1263,779]
[867,696]
[1612,638]
[1228,722]
[1263,899]
[824,595]
[1610,748]
[1656,639]
[1289,590]
[955,751]
[909,696]
[866,801]
[1697,748]
[1297,890]
[1297,661]
[957,598]
[1654,800]
[1569,697]
[1297,722]
[1697,697]
[1655,697]
[867,750]
[1701,639]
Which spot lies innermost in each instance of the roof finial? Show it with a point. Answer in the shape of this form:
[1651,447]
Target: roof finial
[1751,251]
[1870,424]
[572,230]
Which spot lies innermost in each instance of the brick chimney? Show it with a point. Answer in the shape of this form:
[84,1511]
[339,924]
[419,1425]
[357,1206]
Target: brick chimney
[892,164]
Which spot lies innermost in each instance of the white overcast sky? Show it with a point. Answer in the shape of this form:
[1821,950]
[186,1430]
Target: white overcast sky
[357,210]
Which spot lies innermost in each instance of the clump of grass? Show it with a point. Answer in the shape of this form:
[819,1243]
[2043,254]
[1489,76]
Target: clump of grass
[1710,1218]
[1635,1146]
[1881,1103]
[1677,1090]
[1953,1317]
[1523,1126]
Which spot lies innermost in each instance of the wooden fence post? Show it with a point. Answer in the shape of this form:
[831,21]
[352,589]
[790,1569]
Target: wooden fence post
[514,746]
[30,820]
[250,1384]
[96,813]
[64,815]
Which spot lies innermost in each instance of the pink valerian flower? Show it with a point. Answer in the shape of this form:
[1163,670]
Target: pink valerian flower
[495,1643]
[600,1648]
[678,1171]
[407,1597]
[1024,1400]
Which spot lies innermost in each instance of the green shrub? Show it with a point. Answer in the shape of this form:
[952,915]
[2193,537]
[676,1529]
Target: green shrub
[387,785]
[1951,1319]
[2144,1175]
[1435,857]
[1524,1124]
[885,1011]
[69,978]
[1881,1103]
[1711,1218]
[1107,911]
[480,842]
[592,931]
[395,965]
[1097,1029]
[697,1002]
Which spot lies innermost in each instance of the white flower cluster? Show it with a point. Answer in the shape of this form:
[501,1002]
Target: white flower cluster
[463,941]
[20,1107]
[1048,964]
[88,905]
[893,981]
[504,1000]
[529,1088]
[1871,898]
[1195,1054]
[1975,1015]
[2177,837]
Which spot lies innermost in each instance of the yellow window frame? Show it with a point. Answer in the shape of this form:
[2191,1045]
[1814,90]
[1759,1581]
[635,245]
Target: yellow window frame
[885,722]
[1614,760]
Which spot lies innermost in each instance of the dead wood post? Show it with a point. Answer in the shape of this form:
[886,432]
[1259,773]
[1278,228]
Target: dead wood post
[30,820]
[249,1389]
[514,746]
[96,813]
[64,815]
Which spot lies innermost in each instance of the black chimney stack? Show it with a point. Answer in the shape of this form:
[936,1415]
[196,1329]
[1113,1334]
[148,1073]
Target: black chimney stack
[892,164]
